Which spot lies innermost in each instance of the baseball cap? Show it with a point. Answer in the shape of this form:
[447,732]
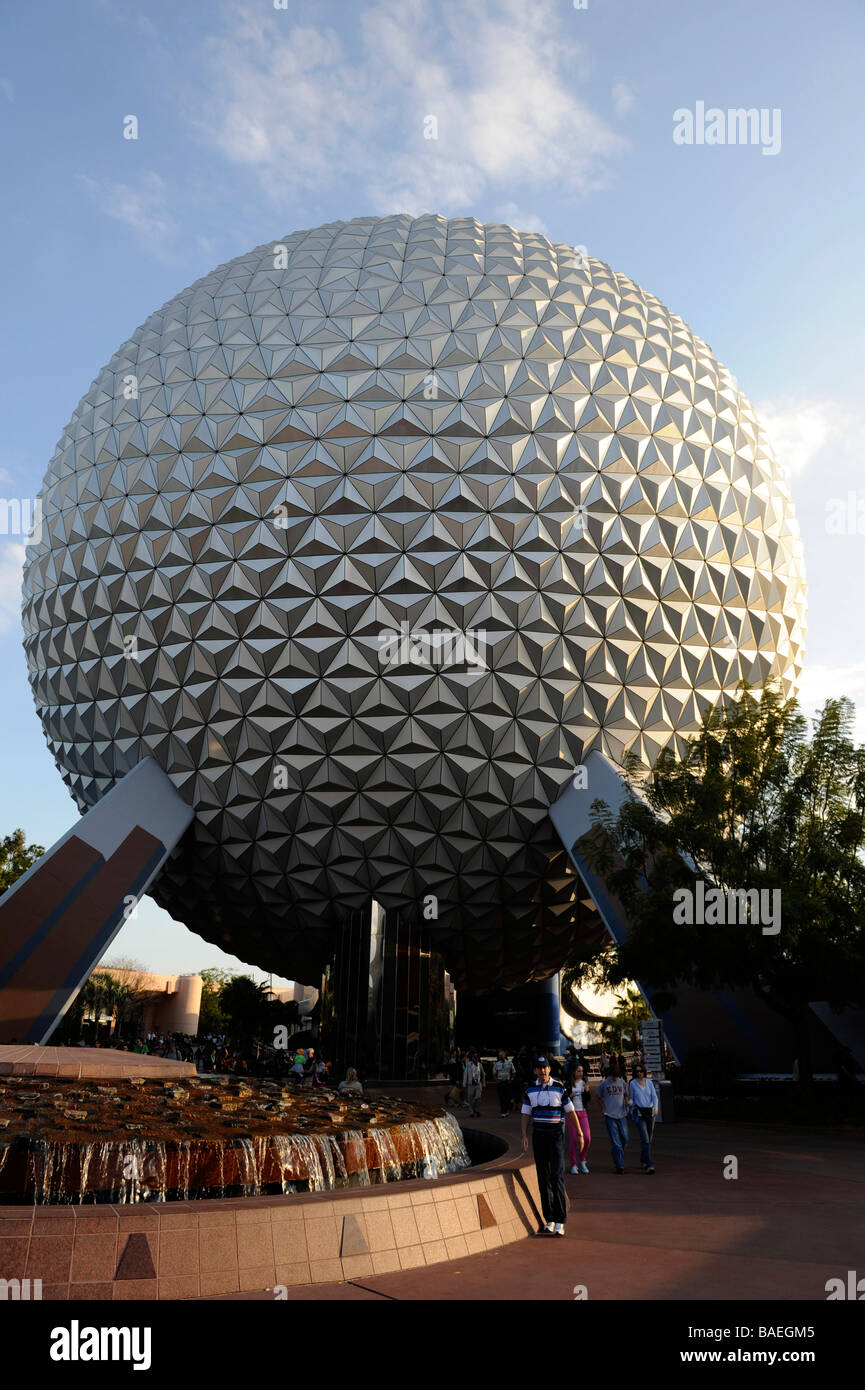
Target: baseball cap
[541,1062]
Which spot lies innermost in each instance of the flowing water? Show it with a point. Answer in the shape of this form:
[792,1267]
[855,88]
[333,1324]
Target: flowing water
[151,1140]
[158,1170]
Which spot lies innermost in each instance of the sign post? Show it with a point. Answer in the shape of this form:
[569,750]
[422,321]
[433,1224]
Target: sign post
[652,1044]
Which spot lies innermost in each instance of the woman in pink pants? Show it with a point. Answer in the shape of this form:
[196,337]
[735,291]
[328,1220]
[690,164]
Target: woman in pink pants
[579,1133]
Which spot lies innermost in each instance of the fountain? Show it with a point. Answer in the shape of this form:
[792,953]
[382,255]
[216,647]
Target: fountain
[128,1177]
[131,1140]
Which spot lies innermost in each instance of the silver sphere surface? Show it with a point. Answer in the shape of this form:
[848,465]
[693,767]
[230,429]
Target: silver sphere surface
[367,538]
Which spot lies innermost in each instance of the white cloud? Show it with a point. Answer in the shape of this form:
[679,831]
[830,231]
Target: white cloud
[143,207]
[11,570]
[624,98]
[523,221]
[501,82]
[820,681]
[799,428]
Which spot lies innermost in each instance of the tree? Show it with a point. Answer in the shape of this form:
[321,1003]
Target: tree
[751,804]
[246,1004]
[16,857]
[101,993]
[211,1018]
[136,993]
[630,1009]
[128,963]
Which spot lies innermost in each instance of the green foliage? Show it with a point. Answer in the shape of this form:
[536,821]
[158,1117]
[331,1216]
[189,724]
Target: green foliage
[752,802]
[212,1018]
[591,965]
[631,1009]
[215,977]
[246,1006]
[100,993]
[16,857]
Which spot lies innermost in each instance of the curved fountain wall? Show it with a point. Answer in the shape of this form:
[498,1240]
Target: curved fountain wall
[319,1207]
[132,1171]
[187,1250]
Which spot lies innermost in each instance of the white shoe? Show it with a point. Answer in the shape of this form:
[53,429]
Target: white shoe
[550,1229]
[559,1229]
[575,1169]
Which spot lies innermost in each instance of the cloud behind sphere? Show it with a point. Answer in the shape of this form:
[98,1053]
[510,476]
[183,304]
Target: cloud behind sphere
[463,428]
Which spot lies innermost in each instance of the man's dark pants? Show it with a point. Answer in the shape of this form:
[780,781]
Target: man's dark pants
[504,1096]
[548,1146]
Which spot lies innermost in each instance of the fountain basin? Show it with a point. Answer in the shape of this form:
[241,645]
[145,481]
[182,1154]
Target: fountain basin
[143,1140]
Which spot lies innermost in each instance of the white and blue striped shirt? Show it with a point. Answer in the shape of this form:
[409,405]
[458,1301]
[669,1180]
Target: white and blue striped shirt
[547,1102]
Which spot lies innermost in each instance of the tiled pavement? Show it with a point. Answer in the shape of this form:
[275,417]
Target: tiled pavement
[78,1063]
[793,1218]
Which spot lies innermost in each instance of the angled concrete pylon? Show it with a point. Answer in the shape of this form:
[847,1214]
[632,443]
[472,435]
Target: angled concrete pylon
[732,1019]
[58,920]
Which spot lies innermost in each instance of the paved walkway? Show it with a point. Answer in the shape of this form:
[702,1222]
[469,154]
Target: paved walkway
[86,1063]
[793,1218]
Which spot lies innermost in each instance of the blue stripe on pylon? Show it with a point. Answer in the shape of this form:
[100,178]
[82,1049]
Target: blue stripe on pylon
[48,923]
[95,947]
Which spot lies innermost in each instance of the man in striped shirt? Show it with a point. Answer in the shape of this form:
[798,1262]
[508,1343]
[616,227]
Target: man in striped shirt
[547,1103]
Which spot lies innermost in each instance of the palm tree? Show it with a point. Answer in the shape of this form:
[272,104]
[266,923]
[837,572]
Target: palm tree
[246,1004]
[102,993]
[630,1009]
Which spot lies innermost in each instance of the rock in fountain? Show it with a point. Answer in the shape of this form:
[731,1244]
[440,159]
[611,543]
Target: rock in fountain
[141,1139]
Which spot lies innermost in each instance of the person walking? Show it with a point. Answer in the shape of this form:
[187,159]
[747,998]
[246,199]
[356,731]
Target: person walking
[309,1067]
[644,1108]
[504,1073]
[613,1095]
[473,1082]
[546,1103]
[298,1065]
[454,1073]
[579,1130]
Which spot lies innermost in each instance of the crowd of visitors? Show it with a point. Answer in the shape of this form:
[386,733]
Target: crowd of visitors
[554,1094]
[216,1054]
[554,1105]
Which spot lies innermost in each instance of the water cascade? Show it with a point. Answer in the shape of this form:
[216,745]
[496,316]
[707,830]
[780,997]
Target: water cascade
[241,1139]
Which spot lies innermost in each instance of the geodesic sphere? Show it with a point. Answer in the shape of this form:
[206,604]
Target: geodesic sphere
[405,426]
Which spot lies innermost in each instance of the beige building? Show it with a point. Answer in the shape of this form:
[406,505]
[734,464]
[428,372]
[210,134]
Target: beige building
[171,1003]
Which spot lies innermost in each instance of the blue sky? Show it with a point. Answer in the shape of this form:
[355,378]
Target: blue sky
[253,122]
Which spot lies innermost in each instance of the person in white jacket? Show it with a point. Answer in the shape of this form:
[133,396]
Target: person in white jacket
[504,1073]
[643,1101]
[473,1082]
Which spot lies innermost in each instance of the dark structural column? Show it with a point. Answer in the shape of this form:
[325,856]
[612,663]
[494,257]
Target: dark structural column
[527,1016]
[385,1009]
